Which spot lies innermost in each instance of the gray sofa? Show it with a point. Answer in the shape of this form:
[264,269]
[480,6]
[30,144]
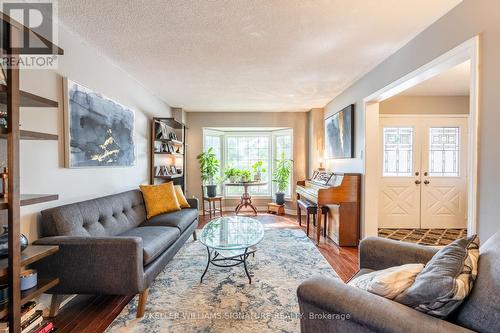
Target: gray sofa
[108,246]
[321,299]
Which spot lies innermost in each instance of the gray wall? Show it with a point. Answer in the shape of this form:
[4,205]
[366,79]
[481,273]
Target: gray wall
[468,19]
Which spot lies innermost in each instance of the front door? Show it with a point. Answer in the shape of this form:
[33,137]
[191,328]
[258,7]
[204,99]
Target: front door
[424,172]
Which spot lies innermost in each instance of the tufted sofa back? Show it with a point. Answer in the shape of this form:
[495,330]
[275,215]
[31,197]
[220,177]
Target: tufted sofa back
[106,216]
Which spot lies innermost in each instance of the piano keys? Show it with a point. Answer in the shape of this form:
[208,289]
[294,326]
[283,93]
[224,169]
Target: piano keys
[340,190]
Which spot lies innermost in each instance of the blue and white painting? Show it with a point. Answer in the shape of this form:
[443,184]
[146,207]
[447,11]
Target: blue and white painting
[339,134]
[101,131]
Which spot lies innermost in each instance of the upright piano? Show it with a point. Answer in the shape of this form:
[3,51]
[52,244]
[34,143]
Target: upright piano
[343,190]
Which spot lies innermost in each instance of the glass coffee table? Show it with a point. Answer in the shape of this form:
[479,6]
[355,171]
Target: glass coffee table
[230,240]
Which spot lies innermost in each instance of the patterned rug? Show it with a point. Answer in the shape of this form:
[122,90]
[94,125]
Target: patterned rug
[436,237]
[225,301]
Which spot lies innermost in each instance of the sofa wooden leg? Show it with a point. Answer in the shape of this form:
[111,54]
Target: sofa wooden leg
[194,235]
[55,303]
[143,297]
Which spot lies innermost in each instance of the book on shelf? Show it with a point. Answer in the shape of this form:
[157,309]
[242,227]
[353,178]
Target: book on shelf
[32,325]
[27,311]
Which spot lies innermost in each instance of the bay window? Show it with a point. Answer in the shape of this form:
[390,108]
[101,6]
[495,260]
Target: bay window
[241,149]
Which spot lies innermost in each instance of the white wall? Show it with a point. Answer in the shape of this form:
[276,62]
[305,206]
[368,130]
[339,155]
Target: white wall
[468,19]
[42,168]
[425,105]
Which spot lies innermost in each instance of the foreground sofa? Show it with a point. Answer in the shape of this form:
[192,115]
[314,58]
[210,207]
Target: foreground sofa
[329,305]
[108,247]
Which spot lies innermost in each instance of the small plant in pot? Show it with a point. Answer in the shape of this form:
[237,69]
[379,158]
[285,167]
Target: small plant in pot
[209,167]
[258,170]
[245,175]
[232,174]
[281,177]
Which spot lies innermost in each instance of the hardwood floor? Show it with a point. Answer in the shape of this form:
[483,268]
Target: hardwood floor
[93,314]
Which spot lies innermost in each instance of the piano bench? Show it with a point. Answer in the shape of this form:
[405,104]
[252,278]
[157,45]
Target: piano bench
[311,209]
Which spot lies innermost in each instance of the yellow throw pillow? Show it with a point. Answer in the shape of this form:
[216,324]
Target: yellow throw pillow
[160,199]
[180,197]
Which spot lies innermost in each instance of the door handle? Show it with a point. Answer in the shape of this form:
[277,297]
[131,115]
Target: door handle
[426,182]
[418,182]
[417,173]
[426,173]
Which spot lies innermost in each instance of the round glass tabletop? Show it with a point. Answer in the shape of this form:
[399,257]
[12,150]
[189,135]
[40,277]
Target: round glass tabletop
[232,233]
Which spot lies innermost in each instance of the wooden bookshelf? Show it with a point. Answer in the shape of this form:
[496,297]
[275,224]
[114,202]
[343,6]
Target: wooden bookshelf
[159,158]
[30,135]
[31,254]
[14,98]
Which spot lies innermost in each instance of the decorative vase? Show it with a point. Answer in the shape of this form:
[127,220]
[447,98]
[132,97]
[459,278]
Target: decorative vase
[233,179]
[280,198]
[4,242]
[211,191]
[257,177]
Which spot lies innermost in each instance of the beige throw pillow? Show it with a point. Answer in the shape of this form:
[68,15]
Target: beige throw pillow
[389,282]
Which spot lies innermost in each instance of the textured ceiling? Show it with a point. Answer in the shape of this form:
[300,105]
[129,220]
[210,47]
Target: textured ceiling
[453,82]
[248,55]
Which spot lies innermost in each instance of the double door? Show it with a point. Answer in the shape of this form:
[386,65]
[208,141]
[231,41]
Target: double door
[424,176]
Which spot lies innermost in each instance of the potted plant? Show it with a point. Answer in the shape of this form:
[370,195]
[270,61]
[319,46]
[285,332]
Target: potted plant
[209,167]
[281,177]
[258,170]
[232,174]
[246,176]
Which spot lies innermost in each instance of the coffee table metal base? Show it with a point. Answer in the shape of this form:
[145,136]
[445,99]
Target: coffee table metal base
[221,260]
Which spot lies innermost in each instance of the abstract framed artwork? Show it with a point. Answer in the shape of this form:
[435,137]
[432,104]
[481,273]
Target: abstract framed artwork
[99,131]
[339,134]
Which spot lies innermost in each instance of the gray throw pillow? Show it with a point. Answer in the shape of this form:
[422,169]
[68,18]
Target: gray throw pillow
[446,279]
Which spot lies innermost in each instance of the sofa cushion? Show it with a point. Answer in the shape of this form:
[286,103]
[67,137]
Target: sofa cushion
[105,216]
[389,282]
[181,219]
[481,310]
[446,279]
[155,240]
[160,199]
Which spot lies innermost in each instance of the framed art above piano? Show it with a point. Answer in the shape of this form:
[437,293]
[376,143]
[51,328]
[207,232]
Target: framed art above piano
[339,134]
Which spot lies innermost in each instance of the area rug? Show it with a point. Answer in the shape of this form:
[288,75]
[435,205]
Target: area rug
[434,237]
[225,301]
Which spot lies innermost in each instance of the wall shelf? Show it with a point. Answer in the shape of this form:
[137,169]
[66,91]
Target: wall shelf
[31,254]
[174,142]
[27,99]
[167,153]
[30,199]
[31,135]
[42,286]
[170,177]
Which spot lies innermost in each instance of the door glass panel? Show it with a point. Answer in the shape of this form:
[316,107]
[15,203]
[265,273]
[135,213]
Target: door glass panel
[398,152]
[444,152]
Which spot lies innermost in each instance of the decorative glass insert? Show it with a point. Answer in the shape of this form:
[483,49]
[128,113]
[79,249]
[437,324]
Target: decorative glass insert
[444,151]
[398,152]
